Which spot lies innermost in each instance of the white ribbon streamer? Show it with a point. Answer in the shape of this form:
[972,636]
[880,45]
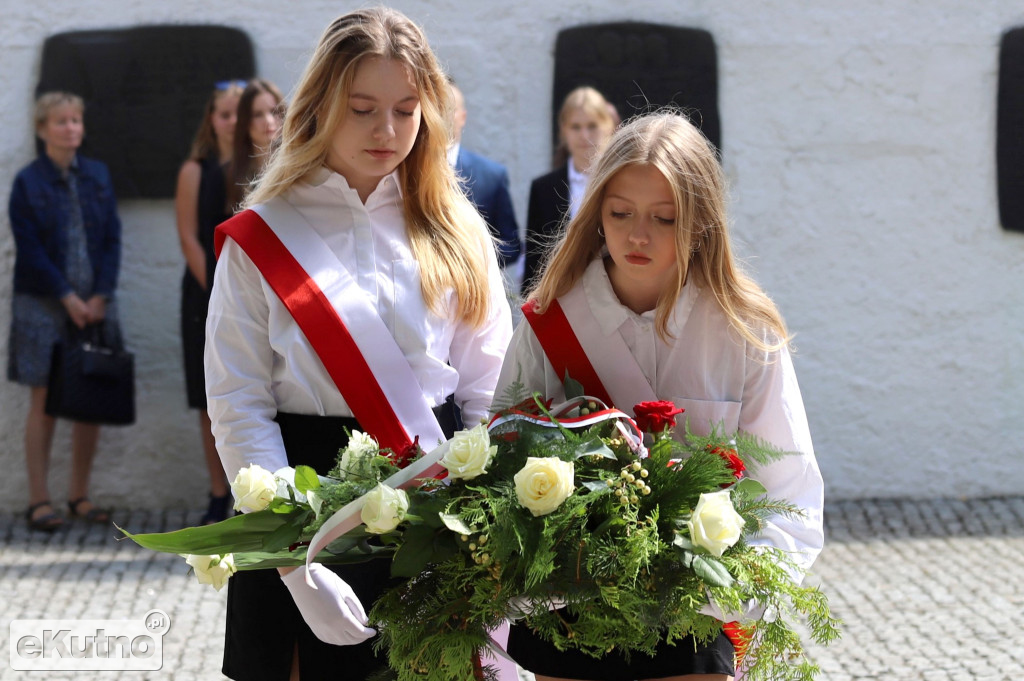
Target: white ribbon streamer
[348,516]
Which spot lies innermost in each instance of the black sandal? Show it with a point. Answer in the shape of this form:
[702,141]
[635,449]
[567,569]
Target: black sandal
[96,515]
[217,510]
[47,522]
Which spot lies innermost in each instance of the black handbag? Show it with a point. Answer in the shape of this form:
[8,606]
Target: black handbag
[90,379]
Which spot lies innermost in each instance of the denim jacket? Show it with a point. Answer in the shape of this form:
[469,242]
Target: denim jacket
[38,211]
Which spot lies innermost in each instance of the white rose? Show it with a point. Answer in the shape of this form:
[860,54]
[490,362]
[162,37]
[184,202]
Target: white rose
[361,447]
[543,484]
[715,524]
[468,453]
[213,570]
[384,508]
[254,488]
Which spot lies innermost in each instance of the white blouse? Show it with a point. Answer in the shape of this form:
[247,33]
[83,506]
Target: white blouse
[577,188]
[258,361]
[712,373]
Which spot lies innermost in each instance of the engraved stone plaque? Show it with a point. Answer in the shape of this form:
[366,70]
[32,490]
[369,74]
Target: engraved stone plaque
[144,90]
[1010,131]
[641,66]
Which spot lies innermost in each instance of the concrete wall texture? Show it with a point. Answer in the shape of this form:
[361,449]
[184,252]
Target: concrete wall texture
[860,144]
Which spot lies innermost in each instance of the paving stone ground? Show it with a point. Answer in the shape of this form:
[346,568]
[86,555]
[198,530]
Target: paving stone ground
[928,590]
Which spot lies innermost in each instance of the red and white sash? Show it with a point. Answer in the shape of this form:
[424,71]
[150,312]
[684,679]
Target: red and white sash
[368,367]
[574,343]
[571,336]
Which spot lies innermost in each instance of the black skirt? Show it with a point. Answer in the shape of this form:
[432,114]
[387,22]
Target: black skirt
[195,302]
[264,627]
[683,657]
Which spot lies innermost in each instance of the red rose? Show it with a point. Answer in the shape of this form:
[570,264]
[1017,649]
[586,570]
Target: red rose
[732,459]
[405,457]
[655,417]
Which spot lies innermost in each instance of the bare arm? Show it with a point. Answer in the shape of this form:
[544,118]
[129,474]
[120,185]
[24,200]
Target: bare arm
[186,208]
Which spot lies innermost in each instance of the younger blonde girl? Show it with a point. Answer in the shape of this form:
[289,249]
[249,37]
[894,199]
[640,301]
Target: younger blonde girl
[651,293]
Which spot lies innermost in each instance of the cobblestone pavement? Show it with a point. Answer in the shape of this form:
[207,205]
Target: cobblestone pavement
[927,590]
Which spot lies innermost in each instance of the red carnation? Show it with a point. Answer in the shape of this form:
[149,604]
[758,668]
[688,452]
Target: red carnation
[655,417]
[732,459]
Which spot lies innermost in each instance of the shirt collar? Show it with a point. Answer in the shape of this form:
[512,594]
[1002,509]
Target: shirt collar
[575,176]
[604,304]
[388,185]
[56,173]
[612,314]
[453,154]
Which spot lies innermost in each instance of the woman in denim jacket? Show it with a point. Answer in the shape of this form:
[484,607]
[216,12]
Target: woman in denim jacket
[67,234]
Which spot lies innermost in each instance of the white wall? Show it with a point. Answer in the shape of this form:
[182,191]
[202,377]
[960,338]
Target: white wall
[859,139]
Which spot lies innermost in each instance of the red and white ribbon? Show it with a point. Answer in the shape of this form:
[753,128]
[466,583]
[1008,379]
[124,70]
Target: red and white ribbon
[562,415]
[565,415]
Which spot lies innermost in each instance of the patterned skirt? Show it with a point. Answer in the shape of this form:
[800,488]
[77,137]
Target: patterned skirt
[37,323]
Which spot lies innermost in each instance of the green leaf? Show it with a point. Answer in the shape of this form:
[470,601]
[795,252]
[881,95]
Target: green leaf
[366,552]
[455,523]
[572,387]
[261,560]
[594,447]
[239,533]
[306,479]
[711,571]
[686,557]
[682,542]
[415,553]
[344,544]
[597,486]
[750,487]
[610,522]
[288,533]
[279,505]
[429,510]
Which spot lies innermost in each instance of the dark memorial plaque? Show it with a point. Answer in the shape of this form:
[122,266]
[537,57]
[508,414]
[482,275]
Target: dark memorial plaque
[639,67]
[144,90]
[1010,131]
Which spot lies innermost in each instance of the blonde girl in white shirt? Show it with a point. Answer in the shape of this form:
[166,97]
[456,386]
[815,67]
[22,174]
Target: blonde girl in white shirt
[361,172]
[646,277]
[585,122]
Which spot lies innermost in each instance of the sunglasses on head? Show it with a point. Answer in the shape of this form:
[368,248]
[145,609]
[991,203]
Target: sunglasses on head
[228,84]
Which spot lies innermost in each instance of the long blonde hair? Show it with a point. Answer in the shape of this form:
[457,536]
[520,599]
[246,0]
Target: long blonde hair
[447,235]
[668,142]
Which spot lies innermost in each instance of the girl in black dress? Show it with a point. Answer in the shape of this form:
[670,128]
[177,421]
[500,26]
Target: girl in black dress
[200,203]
